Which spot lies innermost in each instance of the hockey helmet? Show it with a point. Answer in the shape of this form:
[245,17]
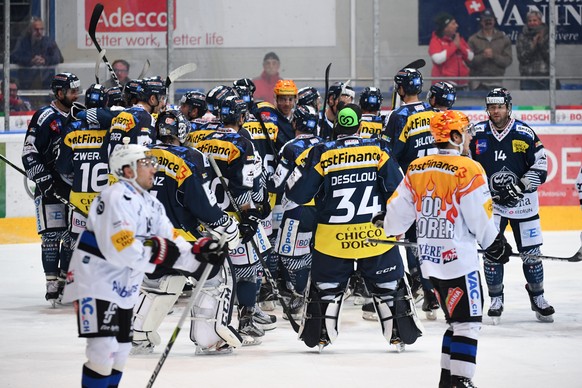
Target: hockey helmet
[285,87]
[231,109]
[444,94]
[128,155]
[95,96]
[245,82]
[443,123]
[499,96]
[340,88]
[130,91]
[153,86]
[195,99]
[245,94]
[410,79]
[217,94]
[65,81]
[172,123]
[114,96]
[371,99]
[305,118]
[308,96]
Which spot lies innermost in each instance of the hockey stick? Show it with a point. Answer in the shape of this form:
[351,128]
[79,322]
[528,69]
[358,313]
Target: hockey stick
[144,70]
[180,72]
[97,63]
[416,64]
[326,93]
[95,16]
[63,200]
[270,278]
[573,259]
[195,292]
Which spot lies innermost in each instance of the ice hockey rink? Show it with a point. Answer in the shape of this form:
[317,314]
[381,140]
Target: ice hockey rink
[40,348]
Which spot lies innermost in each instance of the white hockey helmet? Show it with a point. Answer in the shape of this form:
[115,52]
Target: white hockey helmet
[127,155]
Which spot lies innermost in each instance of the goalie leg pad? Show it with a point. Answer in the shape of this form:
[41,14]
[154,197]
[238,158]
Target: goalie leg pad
[407,322]
[381,304]
[156,299]
[320,321]
[212,313]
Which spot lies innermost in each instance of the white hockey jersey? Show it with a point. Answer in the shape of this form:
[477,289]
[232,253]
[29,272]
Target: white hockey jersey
[110,259]
[448,196]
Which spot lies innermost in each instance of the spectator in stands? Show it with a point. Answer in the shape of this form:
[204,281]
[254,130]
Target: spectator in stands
[265,83]
[533,52]
[492,49]
[17,104]
[449,52]
[121,69]
[37,54]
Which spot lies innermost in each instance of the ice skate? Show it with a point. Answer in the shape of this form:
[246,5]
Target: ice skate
[461,382]
[267,298]
[397,342]
[216,349]
[544,311]
[295,307]
[247,325]
[52,291]
[263,320]
[430,305]
[496,309]
[369,312]
[141,347]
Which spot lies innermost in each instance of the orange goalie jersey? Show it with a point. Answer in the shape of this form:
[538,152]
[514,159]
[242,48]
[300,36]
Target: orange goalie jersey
[448,196]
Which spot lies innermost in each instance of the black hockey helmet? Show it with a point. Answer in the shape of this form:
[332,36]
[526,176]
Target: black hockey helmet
[172,123]
[444,94]
[499,96]
[305,118]
[195,99]
[339,88]
[308,96]
[114,97]
[218,93]
[247,82]
[371,99]
[410,79]
[130,91]
[152,86]
[231,109]
[65,81]
[244,92]
[95,96]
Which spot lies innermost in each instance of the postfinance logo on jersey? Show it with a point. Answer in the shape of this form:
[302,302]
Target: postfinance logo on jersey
[348,158]
[122,239]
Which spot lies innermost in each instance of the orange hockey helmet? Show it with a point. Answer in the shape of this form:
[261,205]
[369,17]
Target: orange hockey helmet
[442,123]
[285,87]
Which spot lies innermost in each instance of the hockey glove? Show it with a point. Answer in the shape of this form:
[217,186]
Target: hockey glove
[76,109]
[511,194]
[208,250]
[249,224]
[164,251]
[499,251]
[378,219]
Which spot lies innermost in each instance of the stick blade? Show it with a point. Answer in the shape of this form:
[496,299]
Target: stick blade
[180,72]
[95,16]
[417,64]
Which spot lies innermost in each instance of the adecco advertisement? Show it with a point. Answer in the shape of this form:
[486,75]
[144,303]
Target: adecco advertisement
[139,24]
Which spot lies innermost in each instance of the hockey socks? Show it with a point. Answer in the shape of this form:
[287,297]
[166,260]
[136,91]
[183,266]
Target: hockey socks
[92,379]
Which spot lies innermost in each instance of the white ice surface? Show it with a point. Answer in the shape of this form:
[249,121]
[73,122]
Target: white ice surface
[39,346]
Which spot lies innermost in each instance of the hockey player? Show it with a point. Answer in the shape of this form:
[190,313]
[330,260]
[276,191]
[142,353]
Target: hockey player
[371,102]
[451,191]
[128,234]
[235,156]
[182,185]
[293,243]
[579,186]
[193,106]
[81,154]
[137,122]
[350,179]
[415,141]
[338,95]
[309,96]
[515,161]
[41,144]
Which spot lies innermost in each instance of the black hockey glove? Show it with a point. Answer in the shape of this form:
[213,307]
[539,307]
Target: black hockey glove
[45,185]
[378,219]
[499,251]
[164,251]
[264,207]
[249,224]
[208,250]
[511,194]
